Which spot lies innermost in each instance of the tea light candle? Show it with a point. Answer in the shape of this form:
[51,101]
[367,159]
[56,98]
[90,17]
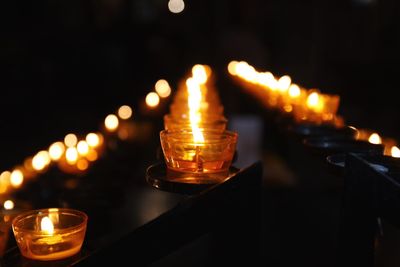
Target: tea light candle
[50,234]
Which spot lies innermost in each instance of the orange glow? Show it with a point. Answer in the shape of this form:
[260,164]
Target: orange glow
[92,155]
[232,67]
[152,99]
[41,160]
[4,181]
[111,122]
[194,103]
[294,91]
[284,83]
[46,225]
[83,148]
[93,139]
[395,152]
[162,88]
[375,139]
[70,140]
[176,6]
[314,102]
[56,151]
[82,165]
[8,205]
[125,112]
[16,178]
[71,155]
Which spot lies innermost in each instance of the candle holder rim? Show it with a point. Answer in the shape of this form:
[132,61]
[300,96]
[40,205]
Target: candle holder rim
[232,135]
[60,231]
[220,119]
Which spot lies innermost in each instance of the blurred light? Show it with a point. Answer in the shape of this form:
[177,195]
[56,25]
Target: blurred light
[162,88]
[8,205]
[232,67]
[41,160]
[125,112]
[294,91]
[93,139]
[395,152]
[314,102]
[16,178]
[4,181]
[123,134]
[71,155]
[82,164]
[92,155]
[70,140]
[375,139]
[56,150]
[83,148]
[111,122]
[284,83]
[176,6]
[200,73]
[152,99]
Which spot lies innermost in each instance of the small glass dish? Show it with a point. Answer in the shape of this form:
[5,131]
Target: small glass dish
[198,162]
[50,234]
[173,123]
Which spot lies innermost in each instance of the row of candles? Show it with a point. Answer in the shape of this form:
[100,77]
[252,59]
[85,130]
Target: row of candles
[55,233]
[197,147]
[305,105]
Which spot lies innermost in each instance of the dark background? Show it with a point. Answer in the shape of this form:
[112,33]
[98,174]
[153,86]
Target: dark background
[65,64]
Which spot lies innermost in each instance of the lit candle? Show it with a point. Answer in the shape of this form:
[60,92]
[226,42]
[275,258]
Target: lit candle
[50,234]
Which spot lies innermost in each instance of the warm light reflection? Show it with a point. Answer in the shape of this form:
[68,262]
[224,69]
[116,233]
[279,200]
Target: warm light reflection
[152,99]
[93,139]
[375,139]
[46,225]
[8,205]
[82,164]
[56,151]
[162,88]
[294,91]
[395,152]
[83,148]
[111,122]
[70,140]
[71,155]
[176,6]
[16,178]
[4,181]
[41,160]
[125,112]
[92,155]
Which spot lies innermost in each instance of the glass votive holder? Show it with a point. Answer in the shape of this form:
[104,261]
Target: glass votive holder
[50,234]
[198,162]
[173,123]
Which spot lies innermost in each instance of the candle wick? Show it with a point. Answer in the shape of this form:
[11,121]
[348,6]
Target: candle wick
[199,162]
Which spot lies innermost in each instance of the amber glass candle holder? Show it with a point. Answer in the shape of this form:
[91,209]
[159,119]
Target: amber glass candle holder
[217,123]
[50,234]
[198,162]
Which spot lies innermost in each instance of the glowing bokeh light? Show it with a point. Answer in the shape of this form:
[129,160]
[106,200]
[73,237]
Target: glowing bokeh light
[70,140]
[82,164]
[375,139]
[16,178]
[152,99]
[162,88]
[125,112]
[176,6]
[56,151]
[71,155]
[8,205]
[93,139]
[294,91]
[41,160]
[83,148]
[395,152]
[111,122]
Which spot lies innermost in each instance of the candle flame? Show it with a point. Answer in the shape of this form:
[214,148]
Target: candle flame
[16,178]
[194,103]
[46,225]
[284,83]
[395,152]
[375,139]
[315,102]
[200,73]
